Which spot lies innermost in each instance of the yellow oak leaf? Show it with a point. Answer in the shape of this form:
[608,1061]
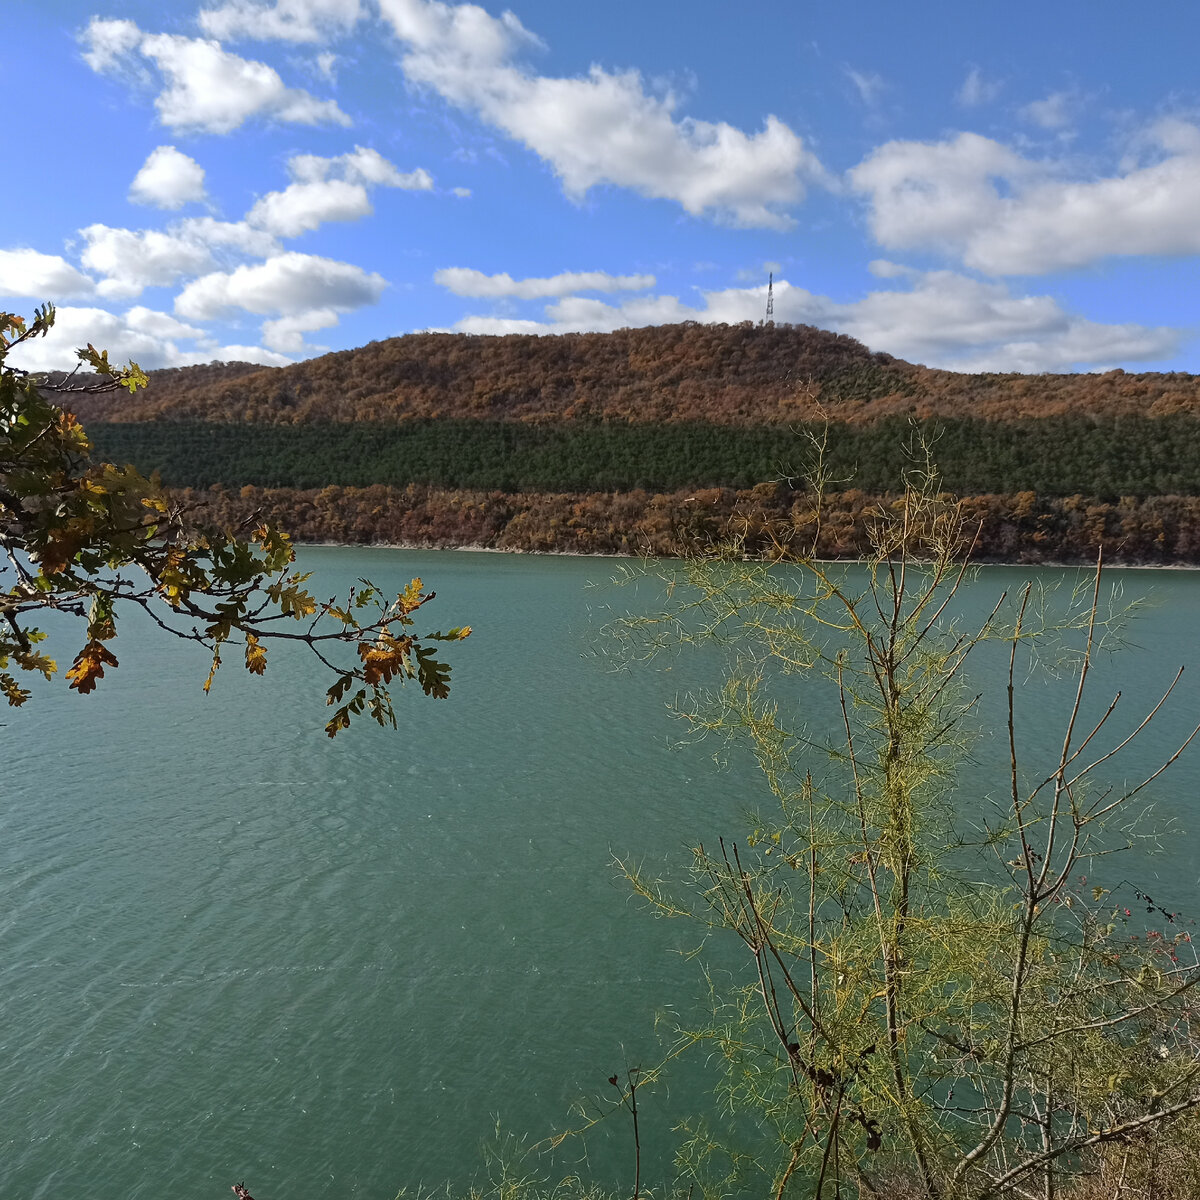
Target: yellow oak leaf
[256,655]
[89,666]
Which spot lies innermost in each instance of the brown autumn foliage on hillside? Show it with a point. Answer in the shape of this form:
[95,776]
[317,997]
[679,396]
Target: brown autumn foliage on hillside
[1153,530]
[726,374]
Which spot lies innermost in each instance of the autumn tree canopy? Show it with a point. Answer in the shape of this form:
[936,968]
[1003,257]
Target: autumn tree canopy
[88,539]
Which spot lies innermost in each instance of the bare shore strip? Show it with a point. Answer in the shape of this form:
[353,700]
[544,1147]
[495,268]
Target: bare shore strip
[475,549]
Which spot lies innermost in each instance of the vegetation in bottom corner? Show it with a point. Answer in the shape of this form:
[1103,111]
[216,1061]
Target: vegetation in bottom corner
[940,997]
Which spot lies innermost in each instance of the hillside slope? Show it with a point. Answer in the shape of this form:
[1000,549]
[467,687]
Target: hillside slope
[661,439]
[716,374]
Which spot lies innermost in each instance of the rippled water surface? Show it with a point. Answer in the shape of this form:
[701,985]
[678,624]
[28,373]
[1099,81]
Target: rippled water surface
[231,948]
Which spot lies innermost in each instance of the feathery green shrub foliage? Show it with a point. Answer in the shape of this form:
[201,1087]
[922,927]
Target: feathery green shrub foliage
[938,998]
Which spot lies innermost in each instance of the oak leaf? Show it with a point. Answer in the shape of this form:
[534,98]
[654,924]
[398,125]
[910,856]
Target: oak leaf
[256,655]
[89,666]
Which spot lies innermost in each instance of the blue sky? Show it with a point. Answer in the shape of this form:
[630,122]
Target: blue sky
[980,187]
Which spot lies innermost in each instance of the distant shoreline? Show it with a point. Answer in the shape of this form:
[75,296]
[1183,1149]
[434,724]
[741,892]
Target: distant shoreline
[516,553]
[474,549]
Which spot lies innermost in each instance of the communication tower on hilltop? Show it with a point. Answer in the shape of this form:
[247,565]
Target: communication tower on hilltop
[769,319]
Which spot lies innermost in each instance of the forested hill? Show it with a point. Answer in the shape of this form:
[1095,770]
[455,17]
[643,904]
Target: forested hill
[654,439]
[746,375]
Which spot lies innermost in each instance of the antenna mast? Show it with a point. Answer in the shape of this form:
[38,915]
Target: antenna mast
[769,319]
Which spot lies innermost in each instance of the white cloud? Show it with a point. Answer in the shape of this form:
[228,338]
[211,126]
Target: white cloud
[882,268]
[285,20]
[287,333]
[603,127]
[140,335]
[27,273]
[207,88]
[1000,213]
[362,165]
[754,274]
[977,90]
[149,338]
[413,181]
[1168,135]
[1054,112]
[131,261]
[288,284]
[499,326]
[585,314]
[369,166]
[159,324]
[250,354]
[330,189]
[303,206]
[235,235]
[645,310]
[942,319]
[464,281]
[168,179]
[213,90]
[463,193]
[949,320]
[938,194]
[109,44]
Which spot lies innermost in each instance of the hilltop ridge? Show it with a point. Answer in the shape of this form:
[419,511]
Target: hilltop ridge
[742,375]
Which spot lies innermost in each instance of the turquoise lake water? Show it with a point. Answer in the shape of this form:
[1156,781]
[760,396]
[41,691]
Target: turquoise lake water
[233,949]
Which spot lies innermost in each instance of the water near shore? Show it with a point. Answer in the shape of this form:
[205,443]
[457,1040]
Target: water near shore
[231,948]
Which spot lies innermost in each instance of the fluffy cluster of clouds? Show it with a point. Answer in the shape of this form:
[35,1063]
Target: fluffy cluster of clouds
[152,339]
[976,201]
[298,293]
[286,21]
[204,87]
[941,318]
[980,203]
[464,281]
[289,284]
[330,189]
[35,275]
[603,127]
[980,210]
